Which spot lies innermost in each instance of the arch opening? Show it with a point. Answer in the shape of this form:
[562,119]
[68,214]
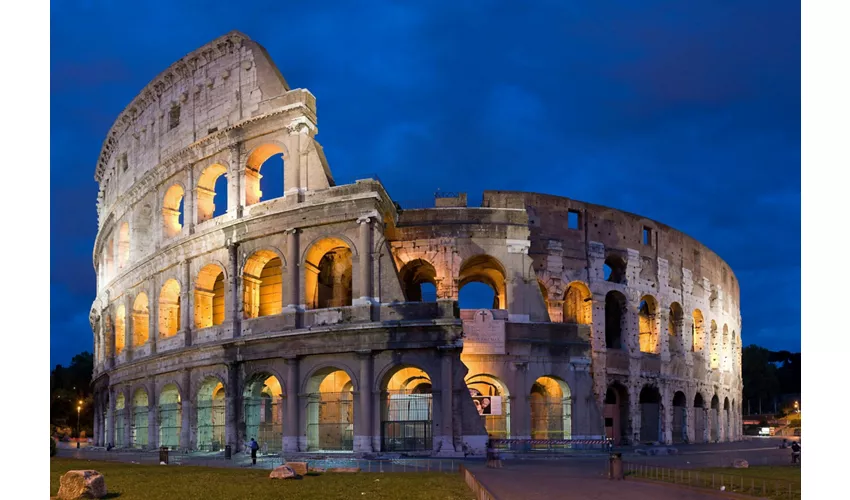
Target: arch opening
[124,245]
[675,327]
[169,309]
[212,185]
[714,361]
[209,297]
[650,414]
[614,269]
[699,419]
[269,184]
[492,400]
[680,420]
[120,331]
[419,279]
[406,411]
[647,325]
[139,429]
[330,411]
[488,271]
[615,319]
[551,409]
[211,415]
[141,320]
[120,420]
[109,260]
[172,211]
[699,331]
[578,304]
[263,412]
[714,416]
[616,413]
[328,271]
[170,418]
[263,285]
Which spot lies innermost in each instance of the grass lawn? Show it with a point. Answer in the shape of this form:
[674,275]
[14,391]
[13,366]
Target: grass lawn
[153,482]
[776,482]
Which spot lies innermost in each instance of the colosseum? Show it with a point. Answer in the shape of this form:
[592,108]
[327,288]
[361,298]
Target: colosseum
[327,319]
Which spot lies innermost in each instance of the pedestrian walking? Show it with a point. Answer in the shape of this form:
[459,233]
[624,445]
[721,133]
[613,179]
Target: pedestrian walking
[254,448]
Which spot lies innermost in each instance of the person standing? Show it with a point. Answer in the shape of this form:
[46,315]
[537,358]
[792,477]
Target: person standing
[254,448]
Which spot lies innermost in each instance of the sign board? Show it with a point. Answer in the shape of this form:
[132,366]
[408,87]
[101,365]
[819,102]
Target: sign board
[488,405]
[483,334]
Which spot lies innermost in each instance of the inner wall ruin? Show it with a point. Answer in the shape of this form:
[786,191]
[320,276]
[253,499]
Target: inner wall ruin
[302,320]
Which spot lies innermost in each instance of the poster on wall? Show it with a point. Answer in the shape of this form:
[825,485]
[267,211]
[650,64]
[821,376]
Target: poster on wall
[486,405]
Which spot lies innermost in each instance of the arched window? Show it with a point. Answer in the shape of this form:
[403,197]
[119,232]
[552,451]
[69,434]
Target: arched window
[209,297]
[269,159]
[123,245]
[169,309]
[209,189]
[578,304]
[328,274]
[419,279]
[141,319]
[488,271]
[675,327]
[172,211]
[261,279]
[699,331]
[647,328]
[614,269]
[615,320]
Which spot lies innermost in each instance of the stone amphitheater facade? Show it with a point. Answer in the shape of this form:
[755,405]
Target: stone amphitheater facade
[300,320]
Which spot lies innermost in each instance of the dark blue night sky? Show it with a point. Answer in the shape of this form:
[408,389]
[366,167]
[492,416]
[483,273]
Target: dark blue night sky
[686,114]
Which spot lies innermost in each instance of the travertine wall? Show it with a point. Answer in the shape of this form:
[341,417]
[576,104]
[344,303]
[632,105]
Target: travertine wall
[193,300]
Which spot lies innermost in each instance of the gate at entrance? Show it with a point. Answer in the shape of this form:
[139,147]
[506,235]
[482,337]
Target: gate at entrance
[406,411]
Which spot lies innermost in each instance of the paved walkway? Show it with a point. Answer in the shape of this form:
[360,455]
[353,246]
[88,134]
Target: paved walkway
[585,480]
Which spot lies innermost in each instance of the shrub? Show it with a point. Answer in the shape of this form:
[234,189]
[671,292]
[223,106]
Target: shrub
[52,447]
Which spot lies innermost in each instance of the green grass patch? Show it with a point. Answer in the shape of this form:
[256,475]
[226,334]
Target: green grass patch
[154,482]
[775,482]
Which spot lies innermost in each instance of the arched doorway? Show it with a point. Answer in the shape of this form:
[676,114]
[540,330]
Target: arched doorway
[170,417]
[406,411]
[139,429]
[120,420]
[714,417]
[727,427]
[328,274]
[616,413]
[680,420]
[330,411]
[551,409]
[492,400]
[263,412]
[211,415]
[699,419]
[650,414]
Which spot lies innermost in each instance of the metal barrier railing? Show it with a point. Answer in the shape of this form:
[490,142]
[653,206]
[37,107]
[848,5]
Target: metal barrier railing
[727,482]
[552,445]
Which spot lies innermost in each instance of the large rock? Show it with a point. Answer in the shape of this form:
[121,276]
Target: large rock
[76,484]
[740,464]
[300,468]
[283,472]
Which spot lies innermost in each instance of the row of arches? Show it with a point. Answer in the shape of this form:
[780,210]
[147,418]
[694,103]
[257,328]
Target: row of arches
[406,412]
[712,423]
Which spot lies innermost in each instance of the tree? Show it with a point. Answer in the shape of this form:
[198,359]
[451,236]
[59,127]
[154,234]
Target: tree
[69,385]
[759,375]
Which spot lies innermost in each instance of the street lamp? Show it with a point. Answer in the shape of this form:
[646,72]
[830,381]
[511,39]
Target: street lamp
[797,406]
[79,406]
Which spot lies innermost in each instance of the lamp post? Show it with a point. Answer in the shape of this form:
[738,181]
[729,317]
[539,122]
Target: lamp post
[79,406]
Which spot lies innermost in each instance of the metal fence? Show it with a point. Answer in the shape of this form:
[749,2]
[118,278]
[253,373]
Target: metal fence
[139,428]
[406,421]
[552,445]
[170,424]
[777,489]
[211,415]
[264,422]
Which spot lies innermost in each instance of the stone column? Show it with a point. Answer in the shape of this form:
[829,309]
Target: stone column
[634,422]
[293,298]
[96,413]
[189,202]
[236,184]
[556,310]
[186,305]
[444,444]
[235,309]
[666,409]
[707,422]
[129,418]
[110,416]
[520,405]
[292,165]
[128,326]
[231,418]
[186,411]
[363,425]
[291,429]
[365,264]
[153,411]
